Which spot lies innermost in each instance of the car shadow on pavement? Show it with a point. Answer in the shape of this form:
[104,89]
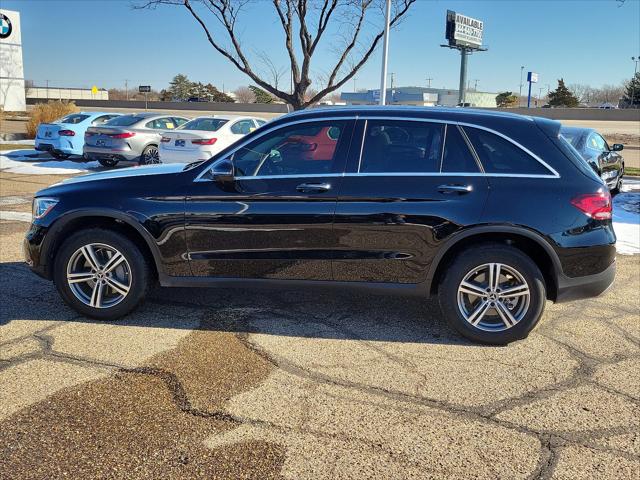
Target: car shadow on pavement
[326,314]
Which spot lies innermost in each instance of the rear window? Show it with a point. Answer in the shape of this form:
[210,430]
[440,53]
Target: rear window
[573,155]
[123,121]
[204,124]
[499,155]
[73,118]
[571,137]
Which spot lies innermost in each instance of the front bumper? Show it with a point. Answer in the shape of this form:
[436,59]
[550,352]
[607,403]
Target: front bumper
[576,288]
[32,249]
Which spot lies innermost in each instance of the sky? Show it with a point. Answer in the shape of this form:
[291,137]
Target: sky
[80,43]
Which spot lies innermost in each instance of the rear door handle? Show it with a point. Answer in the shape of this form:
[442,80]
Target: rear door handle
[453,188]
[313,187]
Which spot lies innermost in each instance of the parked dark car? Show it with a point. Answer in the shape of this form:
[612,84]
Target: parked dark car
[492,212]
[605,161]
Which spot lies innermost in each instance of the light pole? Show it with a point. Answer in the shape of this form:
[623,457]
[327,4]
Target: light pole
[635,72]
[429,82]
[385,54]
[520,96]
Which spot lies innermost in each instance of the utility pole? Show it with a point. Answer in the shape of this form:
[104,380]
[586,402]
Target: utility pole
[126,89]
[47,81]
[475,87]
[385,54]
[635,72]
[354,84]
[392,74]
[521,85]
[429,82]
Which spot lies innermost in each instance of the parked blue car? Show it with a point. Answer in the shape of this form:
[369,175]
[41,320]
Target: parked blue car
[65,137]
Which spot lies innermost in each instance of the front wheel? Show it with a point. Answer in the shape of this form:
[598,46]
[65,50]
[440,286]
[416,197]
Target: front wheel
[493,294]
[101,274]
[150,155]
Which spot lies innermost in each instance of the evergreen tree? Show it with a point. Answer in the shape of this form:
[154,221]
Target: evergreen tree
[180,88]
[261,95]
[632,92]
[562,96]
[506,100]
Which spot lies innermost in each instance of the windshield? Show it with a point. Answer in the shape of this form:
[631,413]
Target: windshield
[206,124]
[73,118]
[123,121]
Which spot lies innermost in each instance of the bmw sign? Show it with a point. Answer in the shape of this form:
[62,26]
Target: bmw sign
[5,26]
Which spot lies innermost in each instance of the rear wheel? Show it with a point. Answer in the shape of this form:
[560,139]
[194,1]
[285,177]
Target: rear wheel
[59,155]
[108,162]
[150,155]
[101,274]
[493,294]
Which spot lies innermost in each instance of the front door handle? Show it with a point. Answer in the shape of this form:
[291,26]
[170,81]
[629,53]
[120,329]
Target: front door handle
[313,187]
[455,188]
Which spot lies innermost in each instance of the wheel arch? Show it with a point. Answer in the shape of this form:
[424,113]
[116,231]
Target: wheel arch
[108,219]
[531,243]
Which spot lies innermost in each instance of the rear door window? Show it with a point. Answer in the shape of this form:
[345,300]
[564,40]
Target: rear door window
[457,157]
[396,146]
[499,155]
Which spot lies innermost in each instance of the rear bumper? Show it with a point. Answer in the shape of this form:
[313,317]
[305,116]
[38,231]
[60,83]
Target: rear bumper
[60,146]
[585,287]
[111,153]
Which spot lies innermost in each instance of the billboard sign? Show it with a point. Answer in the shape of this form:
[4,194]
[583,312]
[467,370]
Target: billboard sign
[532,77]
[463,31]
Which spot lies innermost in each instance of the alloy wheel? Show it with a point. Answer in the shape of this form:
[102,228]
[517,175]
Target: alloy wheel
[151,155]
[493,297]
[99,275]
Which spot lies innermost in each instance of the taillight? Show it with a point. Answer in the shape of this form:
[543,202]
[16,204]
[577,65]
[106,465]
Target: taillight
[594,205]
[165,139]
[204,141]
[122,135]
[89,134]
[66,133]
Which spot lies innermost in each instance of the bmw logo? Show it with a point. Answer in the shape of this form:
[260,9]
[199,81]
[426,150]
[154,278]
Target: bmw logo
[5,26]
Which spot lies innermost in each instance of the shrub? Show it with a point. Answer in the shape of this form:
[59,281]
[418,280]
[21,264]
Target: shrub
[48,112]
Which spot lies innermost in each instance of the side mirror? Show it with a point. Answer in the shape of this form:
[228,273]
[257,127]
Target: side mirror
[222,171]
[617,147]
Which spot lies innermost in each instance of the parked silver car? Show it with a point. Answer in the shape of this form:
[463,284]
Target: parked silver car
[131,138]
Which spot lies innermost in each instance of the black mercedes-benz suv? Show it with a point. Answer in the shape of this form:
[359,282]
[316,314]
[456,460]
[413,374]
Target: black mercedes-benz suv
[494,213]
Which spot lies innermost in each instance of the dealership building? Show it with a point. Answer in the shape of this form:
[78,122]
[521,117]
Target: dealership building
[420,96]
[11,70]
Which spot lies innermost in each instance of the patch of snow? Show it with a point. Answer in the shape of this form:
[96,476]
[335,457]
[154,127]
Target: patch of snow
[21,161]
[626,218]
[17,142]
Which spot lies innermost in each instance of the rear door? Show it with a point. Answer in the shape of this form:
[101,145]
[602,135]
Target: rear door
[412,184]
[275,220]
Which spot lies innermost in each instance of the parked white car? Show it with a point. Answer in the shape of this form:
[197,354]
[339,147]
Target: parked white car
[203,137]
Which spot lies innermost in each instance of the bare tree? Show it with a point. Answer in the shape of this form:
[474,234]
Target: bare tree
[582,92]
[245,95]
[357,24]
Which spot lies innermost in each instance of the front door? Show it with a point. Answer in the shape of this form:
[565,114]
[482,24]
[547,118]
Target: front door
[275,219]
[406,192]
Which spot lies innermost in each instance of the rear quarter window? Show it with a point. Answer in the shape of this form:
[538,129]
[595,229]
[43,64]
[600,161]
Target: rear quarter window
[499,155]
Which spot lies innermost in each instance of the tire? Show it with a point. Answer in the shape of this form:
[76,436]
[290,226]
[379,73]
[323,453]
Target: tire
[496,326]
[616,190]
[132,274]
[108,162]
[59,155]
[150,155]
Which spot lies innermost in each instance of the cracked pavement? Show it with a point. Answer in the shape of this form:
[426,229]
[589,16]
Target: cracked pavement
[301,384]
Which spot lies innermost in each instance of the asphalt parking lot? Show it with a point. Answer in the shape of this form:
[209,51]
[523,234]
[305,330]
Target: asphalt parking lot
[305,384]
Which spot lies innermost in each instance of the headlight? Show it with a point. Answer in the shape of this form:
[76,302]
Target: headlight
[42,206]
